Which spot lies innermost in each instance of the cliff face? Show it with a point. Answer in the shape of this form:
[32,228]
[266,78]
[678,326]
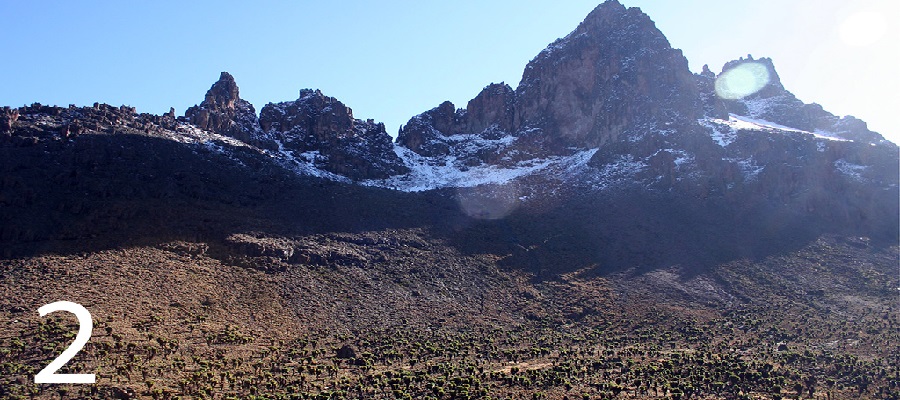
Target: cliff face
[613,73]
[713,106]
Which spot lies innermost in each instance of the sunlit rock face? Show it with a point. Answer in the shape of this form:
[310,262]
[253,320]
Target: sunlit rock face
[615,78]
[224,112]
[8,118]
[614,71]
[493,110]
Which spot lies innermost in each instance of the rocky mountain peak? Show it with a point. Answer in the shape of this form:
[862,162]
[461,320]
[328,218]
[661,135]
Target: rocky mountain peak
[763,70]
[321,130]
[224,93]
[427,133]
[493,107]
[612,73]
[614,77]
[312,111]
[607,14]
[752,88]
[224,112]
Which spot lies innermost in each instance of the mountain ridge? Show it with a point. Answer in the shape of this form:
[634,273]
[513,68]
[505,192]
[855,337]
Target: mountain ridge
[614,227]
[707,157]
[502,128]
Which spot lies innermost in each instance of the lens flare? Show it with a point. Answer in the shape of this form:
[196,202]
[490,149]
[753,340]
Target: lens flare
[742,80]
[488,201]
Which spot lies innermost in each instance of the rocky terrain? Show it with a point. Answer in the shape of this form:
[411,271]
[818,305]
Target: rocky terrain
[614,227]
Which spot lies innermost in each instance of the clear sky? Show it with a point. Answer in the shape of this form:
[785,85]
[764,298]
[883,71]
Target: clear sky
[390,60]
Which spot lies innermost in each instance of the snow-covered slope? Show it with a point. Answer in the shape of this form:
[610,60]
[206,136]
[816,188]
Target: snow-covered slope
[429,173]
[724,131]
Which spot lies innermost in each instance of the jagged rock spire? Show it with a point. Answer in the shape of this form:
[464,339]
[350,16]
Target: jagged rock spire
[224,112]
[223,94]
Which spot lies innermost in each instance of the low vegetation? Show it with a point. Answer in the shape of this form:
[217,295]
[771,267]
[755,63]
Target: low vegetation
[819,323]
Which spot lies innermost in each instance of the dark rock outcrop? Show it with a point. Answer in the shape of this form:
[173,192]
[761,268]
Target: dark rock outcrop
[713,106]
[224,112]
[8,118]
[324,129]
[482,133]
[42,122]
[492,111]
[71,129]
[490,115]
[426,133]
[346,352]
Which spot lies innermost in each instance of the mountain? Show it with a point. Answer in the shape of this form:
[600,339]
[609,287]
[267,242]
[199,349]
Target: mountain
[709,233]
[224,112]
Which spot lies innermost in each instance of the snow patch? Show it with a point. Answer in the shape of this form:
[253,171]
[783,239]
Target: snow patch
[852,170]
[190,134]
[622,170]
[748,166]
[754,124]
[720,131]
[829,136]
[740,122]
[426,174]
[303,163]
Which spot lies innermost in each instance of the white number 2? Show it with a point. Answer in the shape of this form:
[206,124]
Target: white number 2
[85,327]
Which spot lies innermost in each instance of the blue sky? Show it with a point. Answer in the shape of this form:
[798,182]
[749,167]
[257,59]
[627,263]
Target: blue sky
[391,60]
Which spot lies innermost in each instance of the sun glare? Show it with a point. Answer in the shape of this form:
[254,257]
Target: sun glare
[488,201]
[742,81]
